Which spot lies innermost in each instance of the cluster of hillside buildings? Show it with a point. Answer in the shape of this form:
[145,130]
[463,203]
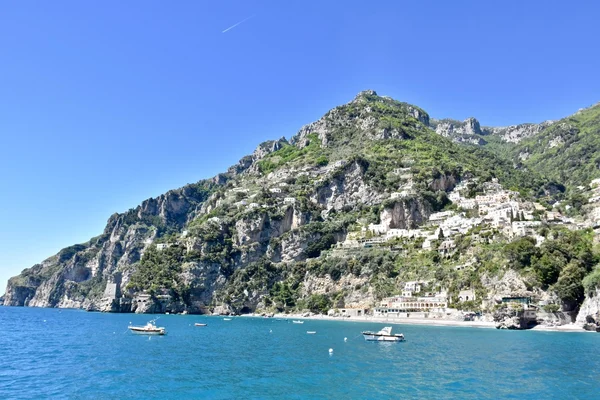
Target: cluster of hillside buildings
[413,300]
[495,210]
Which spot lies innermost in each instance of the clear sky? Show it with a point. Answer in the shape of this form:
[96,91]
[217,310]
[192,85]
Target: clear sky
[105,104]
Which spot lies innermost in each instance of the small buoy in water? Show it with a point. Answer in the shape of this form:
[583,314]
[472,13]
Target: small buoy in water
[345,339]
[270,330]
[330,351]
[44,320]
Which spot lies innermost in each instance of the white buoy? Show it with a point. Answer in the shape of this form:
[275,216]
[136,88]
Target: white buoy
[345,339]
[330,351]
[270,330]
[44,320]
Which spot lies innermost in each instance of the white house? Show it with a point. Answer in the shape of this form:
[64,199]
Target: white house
[440,216]
[378,228]
[466,295]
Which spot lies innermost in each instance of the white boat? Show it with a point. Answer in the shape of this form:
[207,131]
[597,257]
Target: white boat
[298,322]
[311,332]
[226,319]
[199,324]
[149,329]
[384,335]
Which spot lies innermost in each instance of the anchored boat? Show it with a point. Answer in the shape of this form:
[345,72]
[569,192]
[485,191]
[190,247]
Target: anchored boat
[149,329]
[384,335]
[298,322]
[199,324]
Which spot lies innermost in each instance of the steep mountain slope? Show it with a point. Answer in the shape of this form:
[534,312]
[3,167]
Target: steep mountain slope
[568,151]
[260,235]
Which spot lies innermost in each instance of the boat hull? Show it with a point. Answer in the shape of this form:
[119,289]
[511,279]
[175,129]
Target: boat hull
[380,338]
[142,331]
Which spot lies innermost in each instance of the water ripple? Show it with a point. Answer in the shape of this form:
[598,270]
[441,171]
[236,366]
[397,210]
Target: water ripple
[78,355]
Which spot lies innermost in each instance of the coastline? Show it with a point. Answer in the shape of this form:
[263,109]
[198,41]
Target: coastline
[395,321]
[572,328]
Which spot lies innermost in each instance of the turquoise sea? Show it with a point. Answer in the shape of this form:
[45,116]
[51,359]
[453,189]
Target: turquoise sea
[51,353]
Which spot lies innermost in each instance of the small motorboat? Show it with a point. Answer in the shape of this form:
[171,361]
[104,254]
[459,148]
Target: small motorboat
[226,319]
[384,335]
[311,332]
[199,324]
[297,322]
[149,329]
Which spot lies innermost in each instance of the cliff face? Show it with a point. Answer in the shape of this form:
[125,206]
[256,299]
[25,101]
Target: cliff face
[589,313]
[468,131]
[70,277]
[290,226]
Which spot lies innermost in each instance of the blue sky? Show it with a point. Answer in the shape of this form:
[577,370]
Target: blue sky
[105,104]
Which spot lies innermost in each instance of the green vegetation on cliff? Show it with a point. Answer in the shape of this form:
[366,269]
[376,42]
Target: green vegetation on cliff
[262,234]
[568,151]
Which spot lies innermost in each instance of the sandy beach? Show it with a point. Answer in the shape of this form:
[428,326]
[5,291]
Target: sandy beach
[428,321]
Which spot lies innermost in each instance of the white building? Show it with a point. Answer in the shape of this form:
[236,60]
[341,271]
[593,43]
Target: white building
[378,229]
[275,190]
[413,286]
[394,306]
[446,247]
[500,197]
[466,295]
[289,200]
[467,204]
[454,196]
[524,228]
[405,233]
[440,216]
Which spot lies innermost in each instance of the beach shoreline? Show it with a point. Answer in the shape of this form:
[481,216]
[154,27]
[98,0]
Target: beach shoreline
[423,321]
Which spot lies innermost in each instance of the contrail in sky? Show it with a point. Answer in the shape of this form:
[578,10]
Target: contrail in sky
[233,26]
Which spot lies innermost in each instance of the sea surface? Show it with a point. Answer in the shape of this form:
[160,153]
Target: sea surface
[51,353]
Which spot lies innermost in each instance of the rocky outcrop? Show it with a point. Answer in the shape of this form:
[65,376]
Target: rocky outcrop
[554,318]
[512,318]
[589,312]
[467,131]
[349,290]
[510,283]
[406,213]
[516,133]
[347,188]
[249,163]
[361,118]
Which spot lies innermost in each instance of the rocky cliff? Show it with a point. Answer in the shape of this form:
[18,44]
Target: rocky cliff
[291,226]
[589,314]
